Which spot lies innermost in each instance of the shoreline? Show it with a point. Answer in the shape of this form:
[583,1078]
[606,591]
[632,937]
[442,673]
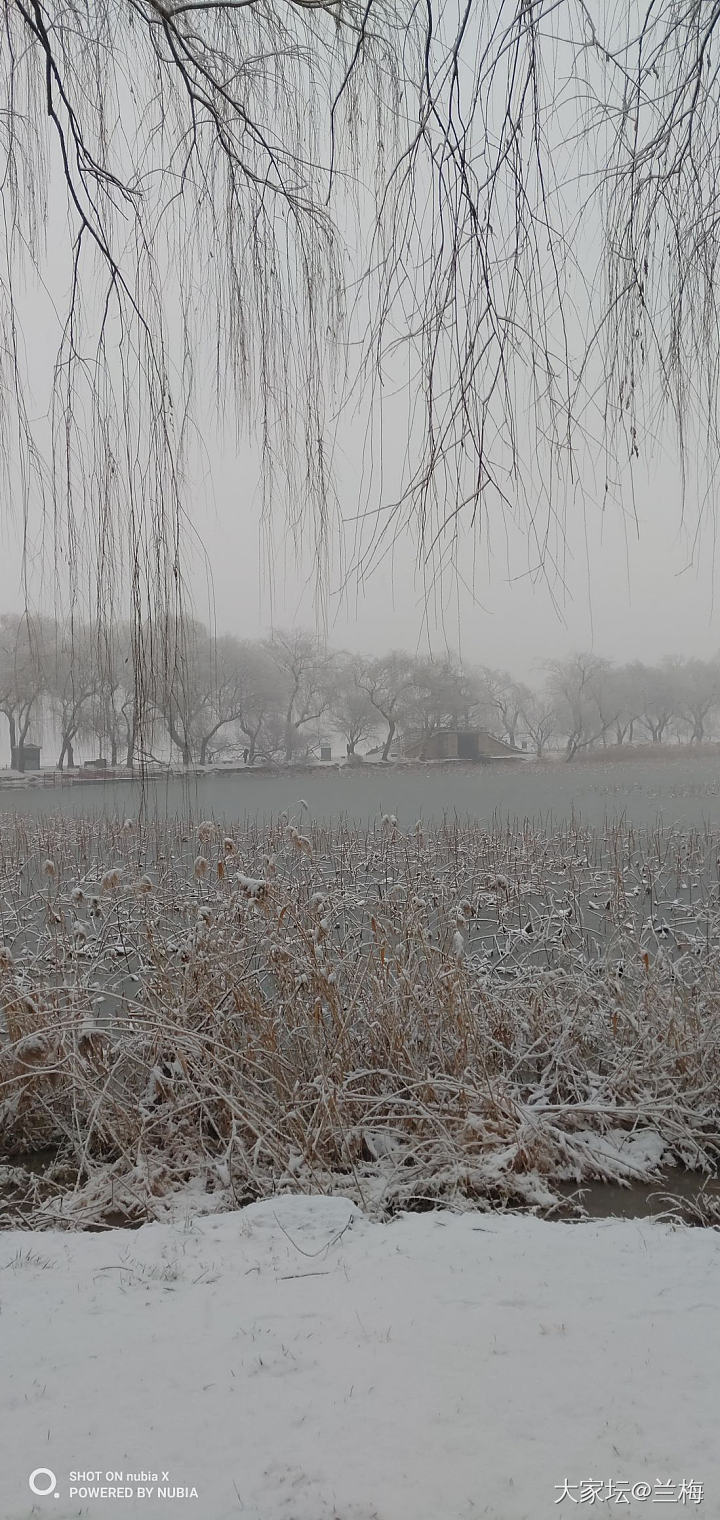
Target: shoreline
[613,755]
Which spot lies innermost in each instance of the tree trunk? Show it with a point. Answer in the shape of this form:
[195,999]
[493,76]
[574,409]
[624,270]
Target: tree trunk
[130,751]
[289,735]
[113,750]
[17,740]
[389,740]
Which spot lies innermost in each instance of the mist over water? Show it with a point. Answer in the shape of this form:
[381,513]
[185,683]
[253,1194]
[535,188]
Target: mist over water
[644,791]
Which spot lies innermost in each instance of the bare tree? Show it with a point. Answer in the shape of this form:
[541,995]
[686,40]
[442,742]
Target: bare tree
[351,710]
[21,676]
[202,690]
[390,684]
[180,137]
[659,697]
[306,669]
[623,697]
[111,717]
[446,694]
[181,688]
[539,718]
[506,698]
[72,681]
[236,136]
[265,693]
[576,689]
[260,693]
[699,695]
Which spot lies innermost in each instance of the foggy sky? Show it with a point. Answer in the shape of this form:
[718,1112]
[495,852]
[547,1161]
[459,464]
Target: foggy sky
[632,581]
[632,590]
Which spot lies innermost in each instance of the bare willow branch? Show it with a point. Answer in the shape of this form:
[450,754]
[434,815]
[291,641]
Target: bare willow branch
[511,209]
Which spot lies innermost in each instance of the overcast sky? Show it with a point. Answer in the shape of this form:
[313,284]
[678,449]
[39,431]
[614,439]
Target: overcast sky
[632,581]
[631,590]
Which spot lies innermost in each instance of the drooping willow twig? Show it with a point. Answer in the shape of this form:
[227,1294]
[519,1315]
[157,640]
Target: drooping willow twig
[521,198]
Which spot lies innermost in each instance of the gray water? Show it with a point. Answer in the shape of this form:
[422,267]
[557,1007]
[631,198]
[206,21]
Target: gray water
[677,791]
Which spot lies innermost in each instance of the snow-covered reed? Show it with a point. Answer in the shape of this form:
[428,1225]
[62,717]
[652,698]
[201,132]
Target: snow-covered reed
[444,1013]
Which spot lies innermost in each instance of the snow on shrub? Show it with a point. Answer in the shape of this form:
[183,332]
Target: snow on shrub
[482,1019]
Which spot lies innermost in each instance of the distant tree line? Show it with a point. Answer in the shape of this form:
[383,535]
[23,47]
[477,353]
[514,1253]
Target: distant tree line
[271,699]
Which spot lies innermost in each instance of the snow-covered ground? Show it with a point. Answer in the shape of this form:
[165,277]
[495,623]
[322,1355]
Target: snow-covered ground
[295,1361]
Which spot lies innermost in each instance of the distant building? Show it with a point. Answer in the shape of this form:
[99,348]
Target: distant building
[459,744]
[26,757]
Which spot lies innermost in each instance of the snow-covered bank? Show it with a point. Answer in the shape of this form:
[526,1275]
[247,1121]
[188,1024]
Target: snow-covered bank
[445,1013]
[295,1361]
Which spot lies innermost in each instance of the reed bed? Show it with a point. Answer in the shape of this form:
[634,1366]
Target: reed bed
[454,1014]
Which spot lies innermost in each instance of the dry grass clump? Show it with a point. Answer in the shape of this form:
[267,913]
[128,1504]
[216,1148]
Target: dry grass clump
[450,1013]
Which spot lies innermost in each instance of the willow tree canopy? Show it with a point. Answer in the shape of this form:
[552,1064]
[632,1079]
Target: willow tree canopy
[509,204]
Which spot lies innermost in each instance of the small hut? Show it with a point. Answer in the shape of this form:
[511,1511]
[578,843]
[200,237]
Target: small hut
[460,744]
[26,757]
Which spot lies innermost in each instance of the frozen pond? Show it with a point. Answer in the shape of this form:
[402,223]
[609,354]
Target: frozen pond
[677,791]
